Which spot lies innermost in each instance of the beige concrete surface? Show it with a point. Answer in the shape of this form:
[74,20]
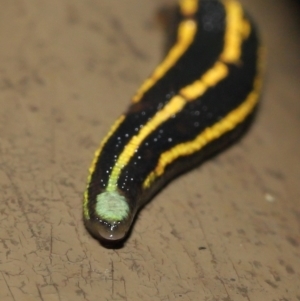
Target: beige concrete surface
[227,231]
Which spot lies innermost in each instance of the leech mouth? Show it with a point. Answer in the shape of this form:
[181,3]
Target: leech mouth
[112,230]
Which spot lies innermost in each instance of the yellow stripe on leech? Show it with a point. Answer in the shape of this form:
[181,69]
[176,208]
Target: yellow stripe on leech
[237,30]
[94,162]
[174,106]
[186,33]
[188,7]
[214,75]
[225,125]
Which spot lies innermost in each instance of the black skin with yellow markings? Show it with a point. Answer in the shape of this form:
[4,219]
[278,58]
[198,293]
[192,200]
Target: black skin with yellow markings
[184,126]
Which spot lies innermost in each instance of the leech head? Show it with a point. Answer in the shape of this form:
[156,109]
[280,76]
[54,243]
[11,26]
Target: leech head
[112,218]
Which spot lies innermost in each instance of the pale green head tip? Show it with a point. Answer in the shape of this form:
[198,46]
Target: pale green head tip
[111,206]
[112,218]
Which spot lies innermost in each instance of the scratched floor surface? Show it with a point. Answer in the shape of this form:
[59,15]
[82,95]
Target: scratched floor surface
[229,230]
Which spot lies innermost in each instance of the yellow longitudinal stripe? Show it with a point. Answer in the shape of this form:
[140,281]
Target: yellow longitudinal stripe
[188,7]
[229,122]
[95,159]
[186,33]
[174,106]
[214,75]
[237,29]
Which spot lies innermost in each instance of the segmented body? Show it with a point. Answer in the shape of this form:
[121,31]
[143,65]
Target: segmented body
[197,101]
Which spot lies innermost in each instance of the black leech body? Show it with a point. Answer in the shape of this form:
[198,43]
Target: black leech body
[199,100]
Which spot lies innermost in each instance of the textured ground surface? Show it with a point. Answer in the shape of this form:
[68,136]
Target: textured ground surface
[229,230]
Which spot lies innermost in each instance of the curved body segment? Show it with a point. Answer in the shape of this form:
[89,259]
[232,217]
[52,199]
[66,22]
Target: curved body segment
[197,101]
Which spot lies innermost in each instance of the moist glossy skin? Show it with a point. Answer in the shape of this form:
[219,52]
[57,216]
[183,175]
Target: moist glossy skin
[198,100]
